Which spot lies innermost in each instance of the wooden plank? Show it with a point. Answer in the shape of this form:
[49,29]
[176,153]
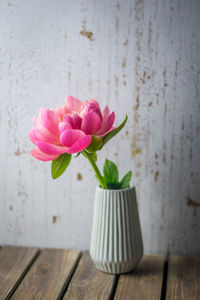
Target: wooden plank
[143,283]
[48,276]
[183,282]
[89,283]
[14,261]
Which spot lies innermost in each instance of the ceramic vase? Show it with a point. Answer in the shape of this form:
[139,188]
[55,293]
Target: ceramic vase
[116,242]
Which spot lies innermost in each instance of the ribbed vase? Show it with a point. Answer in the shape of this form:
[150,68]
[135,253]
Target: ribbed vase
[116,242]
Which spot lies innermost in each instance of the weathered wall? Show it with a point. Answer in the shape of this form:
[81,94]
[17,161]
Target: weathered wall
[140,58]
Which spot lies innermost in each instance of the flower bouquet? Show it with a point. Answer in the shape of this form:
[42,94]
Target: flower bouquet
[81,128]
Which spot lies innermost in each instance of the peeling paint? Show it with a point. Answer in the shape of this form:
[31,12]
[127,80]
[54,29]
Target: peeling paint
[136,107]
[126,42]
[117,24]
[124,63]
[17,152]
[135,151]
[79,176]
[55,219]
[193,204]
[156,175]
[88,34]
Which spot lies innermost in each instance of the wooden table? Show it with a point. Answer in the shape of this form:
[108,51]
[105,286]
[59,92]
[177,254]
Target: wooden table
[30,273]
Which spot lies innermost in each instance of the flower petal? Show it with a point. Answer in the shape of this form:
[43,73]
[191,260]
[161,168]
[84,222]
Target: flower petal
[111,129]
[92,105]
[80,145]
[76,121]
[42,156]
[38,124]
[105,114]
[73,104]
[107,125]
[61,111]
[92,100]
[35,136]
[69,137]
[91,123]
[49,120]
[64,126]
[51,149]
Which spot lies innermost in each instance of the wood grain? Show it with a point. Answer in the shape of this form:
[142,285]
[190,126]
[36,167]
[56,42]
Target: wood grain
[48,276]
[89,283]
[183,281]
[143,283]
[14,261]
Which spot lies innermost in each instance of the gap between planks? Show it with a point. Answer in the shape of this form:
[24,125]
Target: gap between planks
[48,276]
[88,283]
[26,273]
[145,282]
[15,262]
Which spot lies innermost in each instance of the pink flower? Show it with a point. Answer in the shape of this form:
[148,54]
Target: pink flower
[69,128]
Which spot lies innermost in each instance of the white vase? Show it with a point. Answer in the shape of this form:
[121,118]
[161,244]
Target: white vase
[116,242]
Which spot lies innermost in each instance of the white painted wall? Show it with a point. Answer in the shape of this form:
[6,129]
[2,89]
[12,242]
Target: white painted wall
[143,58]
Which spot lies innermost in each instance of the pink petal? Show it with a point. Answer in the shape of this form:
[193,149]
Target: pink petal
[38,124]
[69,137]
[35,136]
[107,125]
[68,119]
[44,131]
[49,120]
[81,144]
[73,104]
[91,123]
[105,114]
[42,156]
[96,103]
[64,126]
[51,149]
[76,121]
[111,129]
[91,105]
[61,111]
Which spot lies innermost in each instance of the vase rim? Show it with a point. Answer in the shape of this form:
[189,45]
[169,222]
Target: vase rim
[115,190]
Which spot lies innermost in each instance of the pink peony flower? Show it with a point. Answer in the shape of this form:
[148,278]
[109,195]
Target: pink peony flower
[69,128]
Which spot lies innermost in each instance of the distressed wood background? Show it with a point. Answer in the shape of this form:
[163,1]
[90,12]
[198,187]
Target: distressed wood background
[142,58]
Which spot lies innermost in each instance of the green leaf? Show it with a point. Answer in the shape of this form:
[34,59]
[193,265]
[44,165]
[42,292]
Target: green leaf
[125,182]
[112,133]
[95,144]
[60,164]
[110,172]
[113,186]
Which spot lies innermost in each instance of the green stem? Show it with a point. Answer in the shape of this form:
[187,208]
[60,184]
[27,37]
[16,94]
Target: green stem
[95,168]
